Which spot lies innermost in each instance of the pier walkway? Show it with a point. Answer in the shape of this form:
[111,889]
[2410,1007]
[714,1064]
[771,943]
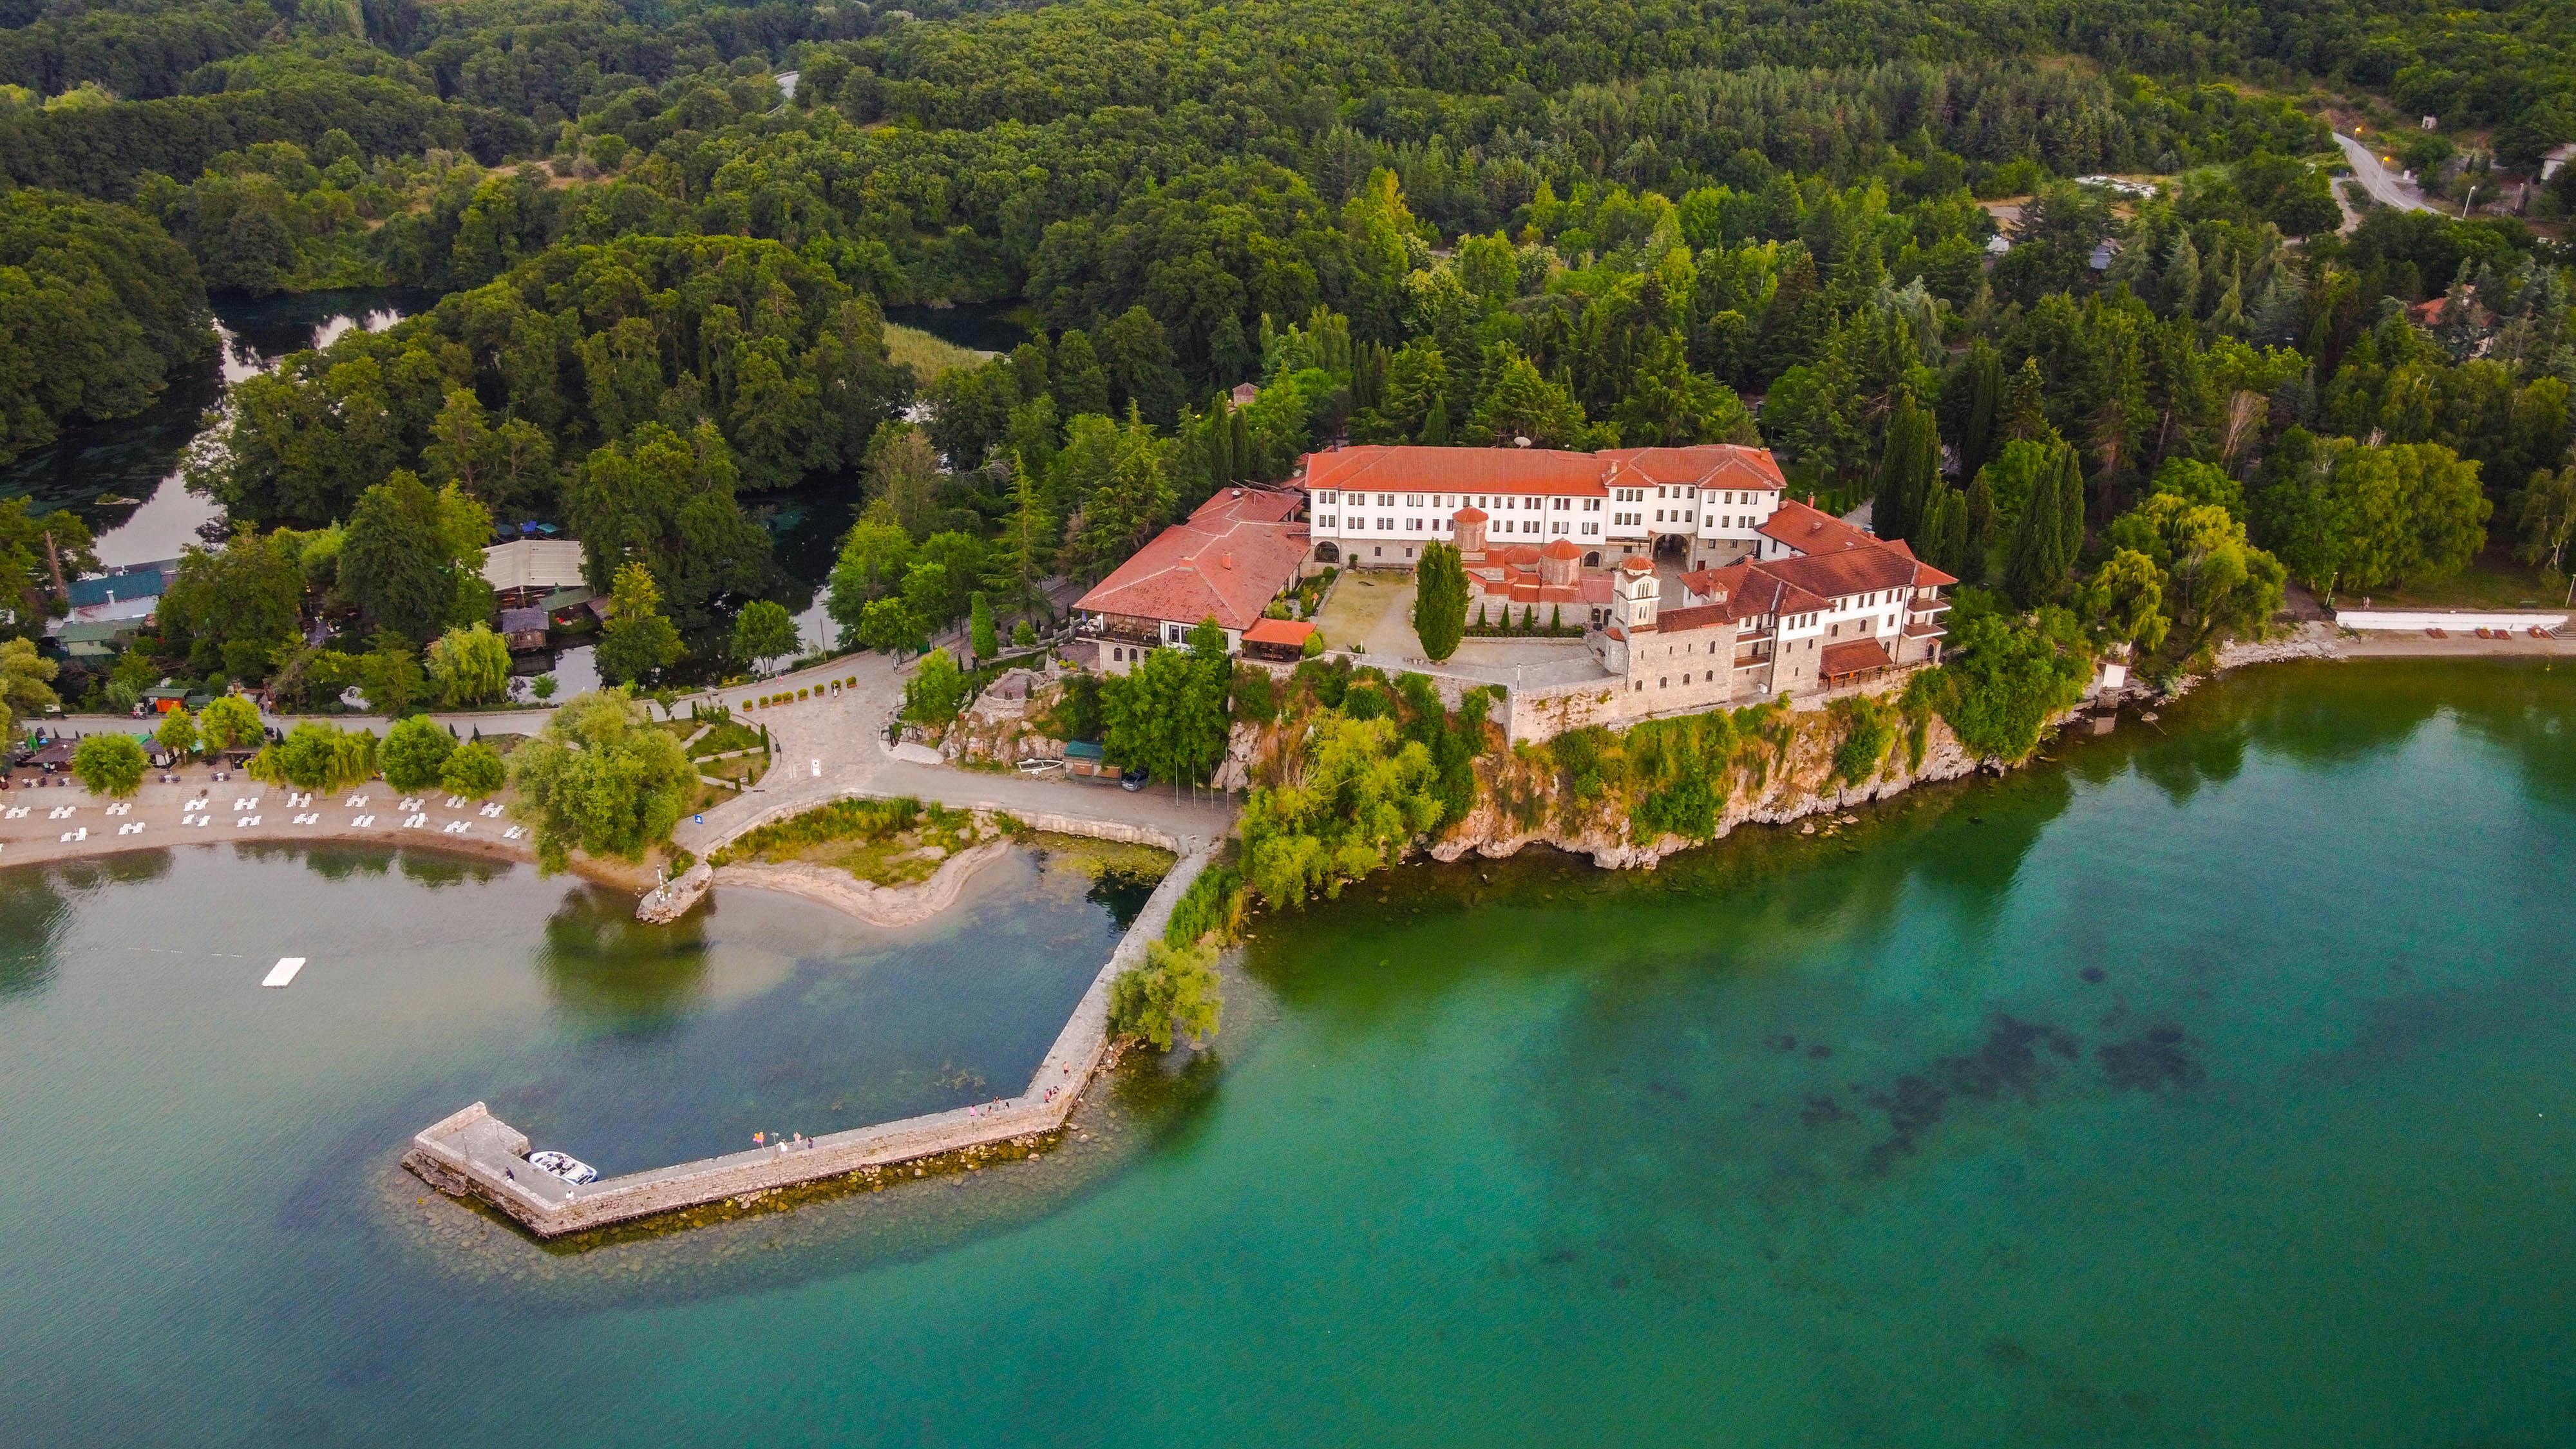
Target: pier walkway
[475,1152]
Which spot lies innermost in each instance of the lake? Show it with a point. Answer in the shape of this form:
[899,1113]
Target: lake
[2207,1085]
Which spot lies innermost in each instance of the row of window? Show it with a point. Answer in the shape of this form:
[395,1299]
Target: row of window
[1506,502]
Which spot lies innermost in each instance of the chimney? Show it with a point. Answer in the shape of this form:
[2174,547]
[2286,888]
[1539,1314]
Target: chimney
[1225,560]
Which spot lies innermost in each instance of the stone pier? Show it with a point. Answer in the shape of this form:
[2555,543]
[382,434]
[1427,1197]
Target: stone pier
[476,1152]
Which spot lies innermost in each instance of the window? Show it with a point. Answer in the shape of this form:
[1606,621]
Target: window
[1413,525]
[1592,505]
[1324,522]
[1592,528]
[1556,528]
[1324,497]
[1659,515]
[1529,525]
[1386,525]
[1386,500]
[1563,504]
[1413,500]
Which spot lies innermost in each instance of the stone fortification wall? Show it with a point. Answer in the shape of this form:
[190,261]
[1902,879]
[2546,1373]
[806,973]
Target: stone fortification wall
[475,1152]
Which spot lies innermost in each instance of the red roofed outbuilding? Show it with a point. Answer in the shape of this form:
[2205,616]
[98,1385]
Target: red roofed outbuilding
[1226,561]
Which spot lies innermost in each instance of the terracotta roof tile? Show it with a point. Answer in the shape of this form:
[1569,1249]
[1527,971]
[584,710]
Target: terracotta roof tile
[1841,659]
[1810,531]
[1227,561]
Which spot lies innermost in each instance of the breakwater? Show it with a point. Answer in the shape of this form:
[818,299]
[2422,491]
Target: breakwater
[471,1152]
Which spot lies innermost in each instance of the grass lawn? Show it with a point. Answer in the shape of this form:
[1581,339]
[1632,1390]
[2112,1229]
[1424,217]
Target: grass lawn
[886,842]
[742,770]
[2495,581]
[1358,604]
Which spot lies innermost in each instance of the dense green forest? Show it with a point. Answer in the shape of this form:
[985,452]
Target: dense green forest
[665,234]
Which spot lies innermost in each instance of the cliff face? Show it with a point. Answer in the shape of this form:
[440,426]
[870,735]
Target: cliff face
[1603,828]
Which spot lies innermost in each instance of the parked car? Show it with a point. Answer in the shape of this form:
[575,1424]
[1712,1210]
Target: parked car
[1133,780]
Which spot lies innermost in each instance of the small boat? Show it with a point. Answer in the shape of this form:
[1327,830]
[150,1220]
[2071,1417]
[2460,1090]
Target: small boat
[571,1169]
[114,500]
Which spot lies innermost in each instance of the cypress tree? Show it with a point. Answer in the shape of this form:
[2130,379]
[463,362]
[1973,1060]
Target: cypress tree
[1944,531]
[1435,424]
[1985,406]
[1439,600]
[2051,533]
[1979,544]
[1907,467]
[2070,510]
[1238,449]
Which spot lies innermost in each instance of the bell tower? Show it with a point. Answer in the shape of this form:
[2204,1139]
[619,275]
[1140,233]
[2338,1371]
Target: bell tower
[1636,592]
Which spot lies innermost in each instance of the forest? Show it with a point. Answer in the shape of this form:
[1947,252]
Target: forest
[665,235]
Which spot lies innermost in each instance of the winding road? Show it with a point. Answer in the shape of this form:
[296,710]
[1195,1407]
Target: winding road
[2384,186]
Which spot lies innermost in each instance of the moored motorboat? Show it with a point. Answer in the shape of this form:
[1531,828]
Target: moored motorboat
[571,1169]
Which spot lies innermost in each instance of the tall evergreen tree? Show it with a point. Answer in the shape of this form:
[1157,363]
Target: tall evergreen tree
[2070,511]
[1982,522]
[1908,467]
[1984,410]
[2042,550]
[1439,600]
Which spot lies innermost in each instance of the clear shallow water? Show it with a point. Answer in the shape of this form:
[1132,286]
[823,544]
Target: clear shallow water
[1529,1153]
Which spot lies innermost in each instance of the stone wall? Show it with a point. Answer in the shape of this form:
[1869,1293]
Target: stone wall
[473,1151]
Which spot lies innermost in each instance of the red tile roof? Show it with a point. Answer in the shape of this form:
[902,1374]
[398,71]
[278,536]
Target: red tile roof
[1288,632]
[1839,660]
[1841,574]
[1809,531]
[1226,561]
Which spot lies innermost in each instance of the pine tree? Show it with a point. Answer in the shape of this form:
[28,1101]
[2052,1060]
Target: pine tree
[2182,278]
[1020,555]
[2025,412]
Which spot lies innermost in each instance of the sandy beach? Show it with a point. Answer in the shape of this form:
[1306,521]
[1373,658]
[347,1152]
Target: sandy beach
[66,822]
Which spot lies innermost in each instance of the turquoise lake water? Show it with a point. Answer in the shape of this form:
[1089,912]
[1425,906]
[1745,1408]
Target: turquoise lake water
[2209,1086]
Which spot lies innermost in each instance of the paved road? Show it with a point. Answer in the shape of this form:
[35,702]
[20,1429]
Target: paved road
[829,745]
[834,744]
[2385,186]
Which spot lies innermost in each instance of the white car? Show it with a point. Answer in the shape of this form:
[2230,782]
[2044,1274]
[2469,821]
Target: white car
[570,1169]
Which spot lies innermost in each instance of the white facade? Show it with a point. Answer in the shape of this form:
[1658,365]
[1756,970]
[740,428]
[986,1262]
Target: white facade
[1712,525]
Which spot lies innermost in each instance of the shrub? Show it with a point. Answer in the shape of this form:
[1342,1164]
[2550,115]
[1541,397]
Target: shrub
[1868,727]
[936,690]
[317,756]
[473,771]
[1213,903]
